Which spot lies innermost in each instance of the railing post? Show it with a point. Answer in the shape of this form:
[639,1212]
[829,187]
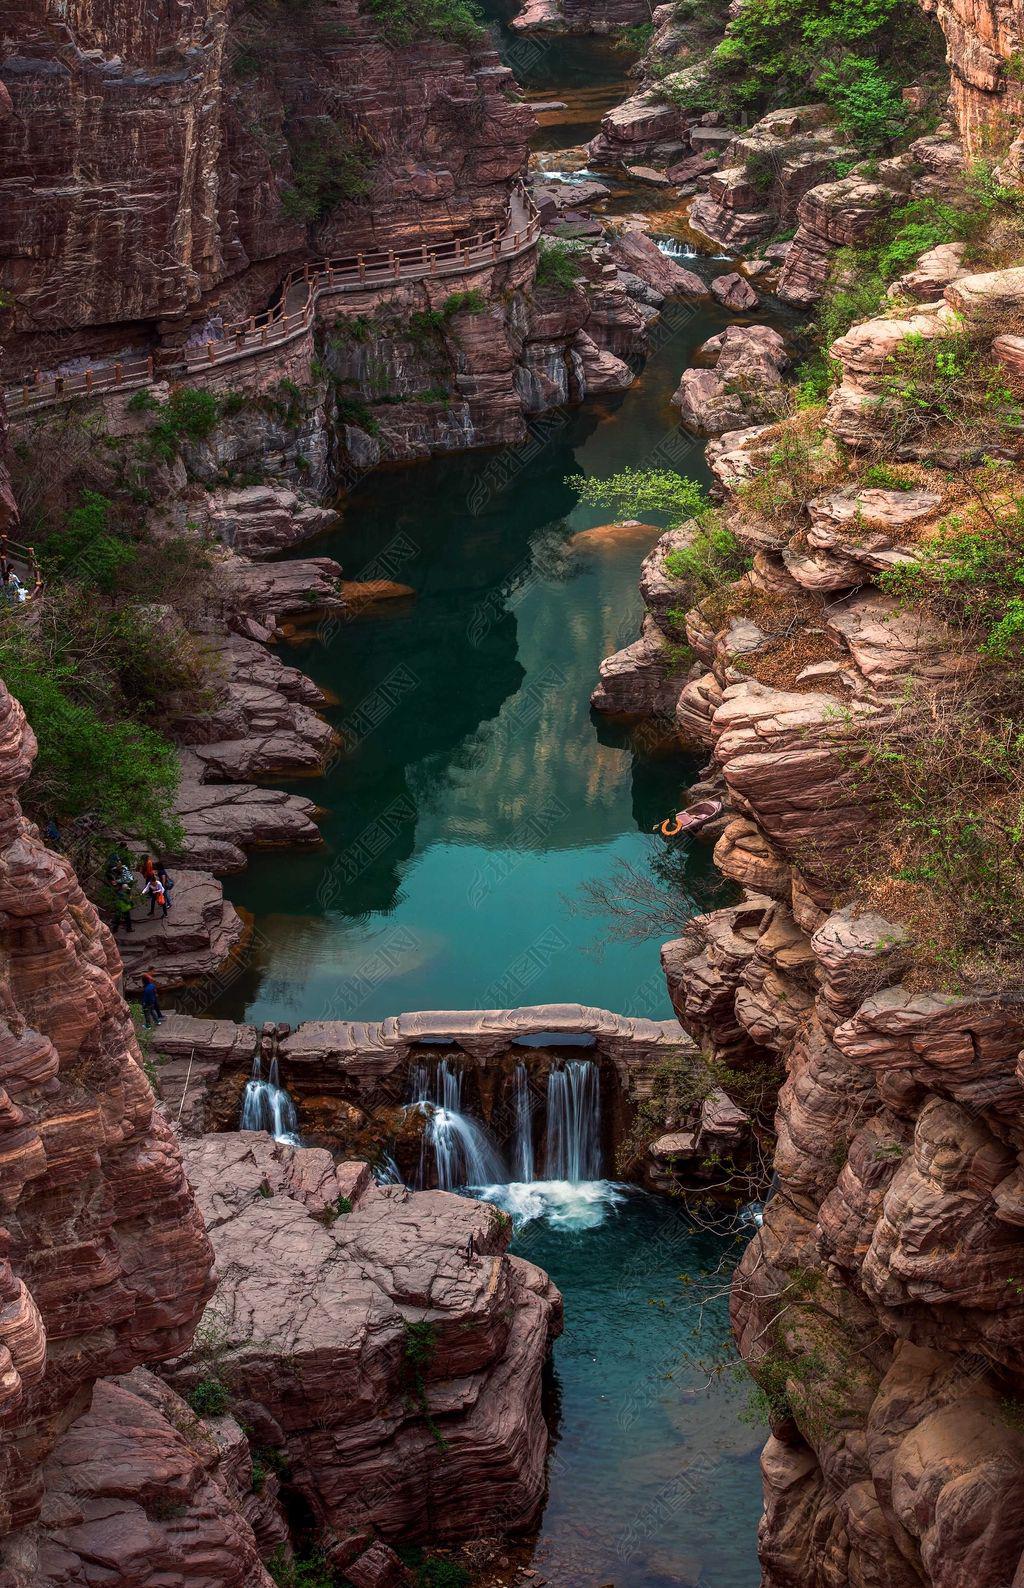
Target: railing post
[24,394]
[495,248]
[238,341]
[423,253]
[393,263]
[263,336]
[330,275]
[117,372]
[209,352]
[58,385]
[433,264]
[458,251]
[362,267]
[149,367]
[39,376]
[88,381]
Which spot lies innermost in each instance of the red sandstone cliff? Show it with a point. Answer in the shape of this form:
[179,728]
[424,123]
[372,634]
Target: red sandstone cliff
[880,1304]
[154,160]
[105,1260]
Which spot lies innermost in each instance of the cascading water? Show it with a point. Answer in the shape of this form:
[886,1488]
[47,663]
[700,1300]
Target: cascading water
[522,1153]
[463,1153]
[674,249]
[266,1105]
[457,1153]
[574,1122]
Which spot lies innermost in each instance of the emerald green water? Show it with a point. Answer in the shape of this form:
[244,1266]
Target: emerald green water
[476,794]
[653,1478]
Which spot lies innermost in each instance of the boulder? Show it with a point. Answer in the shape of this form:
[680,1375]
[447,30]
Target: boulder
[733,292]
[392,1353]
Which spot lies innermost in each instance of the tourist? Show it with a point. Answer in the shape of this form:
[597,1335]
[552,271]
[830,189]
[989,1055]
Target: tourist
[152,1014]
[123,887]
[168,883]
[155,888]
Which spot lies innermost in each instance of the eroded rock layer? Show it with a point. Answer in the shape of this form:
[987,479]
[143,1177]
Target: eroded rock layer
[105,1261]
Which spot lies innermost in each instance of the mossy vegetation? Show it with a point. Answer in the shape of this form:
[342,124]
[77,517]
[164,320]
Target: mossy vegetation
[403,21]
[329,167]
[558,263]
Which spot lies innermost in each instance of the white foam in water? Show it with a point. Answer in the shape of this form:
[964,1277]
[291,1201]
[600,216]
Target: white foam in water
[560,1203]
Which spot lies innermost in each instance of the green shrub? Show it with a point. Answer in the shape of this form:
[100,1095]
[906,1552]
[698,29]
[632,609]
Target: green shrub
[713,558]
[119,773]
[636,38]
[353,411]
[305,1571]
[87,548]
[632,493]
[471,302]
[971,576]
[556,263]
[328,168]
[209,1398]
[190,414]
[854,54]
[866,101]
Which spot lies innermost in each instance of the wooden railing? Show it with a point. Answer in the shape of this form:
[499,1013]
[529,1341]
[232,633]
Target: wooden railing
[293,314]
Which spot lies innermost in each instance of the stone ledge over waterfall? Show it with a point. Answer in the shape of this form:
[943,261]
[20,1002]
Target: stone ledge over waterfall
[204,1064]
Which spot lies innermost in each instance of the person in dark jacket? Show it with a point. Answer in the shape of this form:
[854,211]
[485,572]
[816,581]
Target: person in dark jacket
[152,1014]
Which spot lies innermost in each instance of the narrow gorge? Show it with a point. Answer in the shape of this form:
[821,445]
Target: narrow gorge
[511,800]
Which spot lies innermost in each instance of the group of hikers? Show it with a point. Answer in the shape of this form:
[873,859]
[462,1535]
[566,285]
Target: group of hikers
[126,892]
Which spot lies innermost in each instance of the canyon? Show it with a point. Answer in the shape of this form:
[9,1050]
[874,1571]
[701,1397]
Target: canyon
[257,260]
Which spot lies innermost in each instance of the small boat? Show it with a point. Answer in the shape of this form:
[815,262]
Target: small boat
[690,820]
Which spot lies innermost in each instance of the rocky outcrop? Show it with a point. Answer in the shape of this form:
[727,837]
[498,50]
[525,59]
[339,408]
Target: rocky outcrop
[580,16]
[743,384]
[384,1345]
[764,172]
[878,1303]
[845,213]
[982,48]
[865,409]
[142,1485]
[106,1264]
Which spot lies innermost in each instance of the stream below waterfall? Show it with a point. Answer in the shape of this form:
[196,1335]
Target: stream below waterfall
[477,800]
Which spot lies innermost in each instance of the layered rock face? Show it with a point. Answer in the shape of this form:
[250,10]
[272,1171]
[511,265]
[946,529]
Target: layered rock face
[983,38]
[382,1343]
[105,1261]
[198,121]
[879,1305]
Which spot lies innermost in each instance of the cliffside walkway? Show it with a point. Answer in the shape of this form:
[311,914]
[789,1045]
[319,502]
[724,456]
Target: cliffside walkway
[292,316]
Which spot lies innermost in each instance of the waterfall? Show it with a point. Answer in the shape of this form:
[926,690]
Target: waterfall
[574,1122]
[522,1152]
[463,1153]
[266,1105]
[674,249]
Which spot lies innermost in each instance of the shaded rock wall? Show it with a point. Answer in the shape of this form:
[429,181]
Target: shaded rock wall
[196,121]
[983,39]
